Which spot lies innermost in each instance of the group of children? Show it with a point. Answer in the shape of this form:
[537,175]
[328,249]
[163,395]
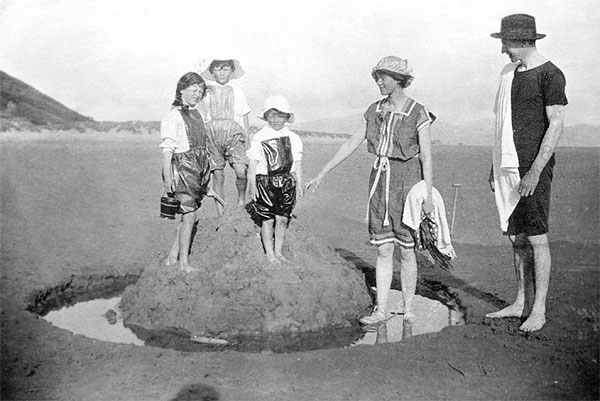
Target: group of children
[398,134]
[208,127]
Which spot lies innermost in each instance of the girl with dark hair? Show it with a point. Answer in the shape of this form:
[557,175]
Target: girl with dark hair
[186,162]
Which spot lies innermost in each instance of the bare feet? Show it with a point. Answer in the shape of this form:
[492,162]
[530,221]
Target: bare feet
[534,322]
[187,268]
[514,310]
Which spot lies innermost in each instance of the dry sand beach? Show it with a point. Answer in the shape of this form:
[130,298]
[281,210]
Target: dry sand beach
[83,207]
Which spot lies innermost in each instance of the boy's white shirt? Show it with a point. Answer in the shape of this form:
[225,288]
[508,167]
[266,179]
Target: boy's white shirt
[173,133]
[256,151]
[240,103]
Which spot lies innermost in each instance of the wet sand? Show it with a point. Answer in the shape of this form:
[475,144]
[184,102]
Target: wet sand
[87,205]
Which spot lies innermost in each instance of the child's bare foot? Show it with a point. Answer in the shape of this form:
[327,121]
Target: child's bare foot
[514,310]
[185,267]
[534,322]
[282,258]
[171,259]
[273,260]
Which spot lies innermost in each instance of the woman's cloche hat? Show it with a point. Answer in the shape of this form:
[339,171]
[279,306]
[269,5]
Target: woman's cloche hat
[238,71]
[393,64]
[279,103]
[518,27]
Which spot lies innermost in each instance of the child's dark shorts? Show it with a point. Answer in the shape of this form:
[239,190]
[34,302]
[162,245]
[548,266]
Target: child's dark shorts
[276,197]
[531,215]
[226,143]
[191,174]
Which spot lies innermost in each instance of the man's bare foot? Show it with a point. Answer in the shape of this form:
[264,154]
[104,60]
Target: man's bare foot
[534,322]
[187,268]
[514,310]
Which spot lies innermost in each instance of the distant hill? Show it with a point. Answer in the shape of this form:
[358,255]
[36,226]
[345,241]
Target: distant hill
[22,102]
[474,133]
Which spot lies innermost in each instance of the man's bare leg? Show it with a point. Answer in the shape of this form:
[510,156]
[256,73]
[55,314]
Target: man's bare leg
[408,276]
[280,229]
[185,237]
[522,260]
[266,233]
[542,265]
[241,182]
[218,181]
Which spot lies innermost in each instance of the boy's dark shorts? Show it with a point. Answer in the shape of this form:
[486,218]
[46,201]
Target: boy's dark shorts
[531,215]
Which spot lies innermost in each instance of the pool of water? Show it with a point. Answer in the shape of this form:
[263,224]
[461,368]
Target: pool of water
[101,319]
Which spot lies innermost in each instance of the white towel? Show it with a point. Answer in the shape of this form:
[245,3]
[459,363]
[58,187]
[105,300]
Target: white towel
[413,212]
[505,159]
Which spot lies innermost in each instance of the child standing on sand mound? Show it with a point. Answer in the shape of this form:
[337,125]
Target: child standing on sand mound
[226,111]
[274,175]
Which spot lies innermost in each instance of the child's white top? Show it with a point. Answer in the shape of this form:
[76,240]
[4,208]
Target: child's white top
[173,133]
[256,151]
[240,103]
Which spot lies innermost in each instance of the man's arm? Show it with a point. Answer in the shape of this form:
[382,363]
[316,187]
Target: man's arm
[555,115]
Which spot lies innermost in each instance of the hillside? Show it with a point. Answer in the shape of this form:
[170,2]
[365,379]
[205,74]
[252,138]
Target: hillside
[21,102]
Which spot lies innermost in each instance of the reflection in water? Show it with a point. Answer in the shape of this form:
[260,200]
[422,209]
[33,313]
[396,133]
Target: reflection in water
[432,316]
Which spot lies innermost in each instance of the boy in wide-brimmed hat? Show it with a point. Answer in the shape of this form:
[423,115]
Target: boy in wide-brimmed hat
[226,111]
[529,122]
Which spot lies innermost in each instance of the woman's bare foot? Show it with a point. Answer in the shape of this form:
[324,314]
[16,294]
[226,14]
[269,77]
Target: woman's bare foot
[409,317]
[514,310]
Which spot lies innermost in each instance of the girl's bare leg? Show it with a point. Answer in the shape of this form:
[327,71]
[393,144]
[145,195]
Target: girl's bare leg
[174,252]
[185,236]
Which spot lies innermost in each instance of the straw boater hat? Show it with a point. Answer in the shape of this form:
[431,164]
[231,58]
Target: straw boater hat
[518,27]
[279,103]
[205,64]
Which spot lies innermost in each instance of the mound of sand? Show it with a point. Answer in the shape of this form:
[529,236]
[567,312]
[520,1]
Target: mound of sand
[237,292]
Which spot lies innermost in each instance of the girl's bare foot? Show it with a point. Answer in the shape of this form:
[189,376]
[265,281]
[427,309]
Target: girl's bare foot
[185,267]
[282,258]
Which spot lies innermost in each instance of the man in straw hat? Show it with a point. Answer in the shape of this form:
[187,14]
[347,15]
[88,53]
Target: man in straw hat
[529,122]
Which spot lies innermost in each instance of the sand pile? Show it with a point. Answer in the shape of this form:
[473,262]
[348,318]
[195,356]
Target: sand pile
[237,292]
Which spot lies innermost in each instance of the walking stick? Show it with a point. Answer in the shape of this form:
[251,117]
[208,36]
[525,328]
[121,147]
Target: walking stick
[456,186]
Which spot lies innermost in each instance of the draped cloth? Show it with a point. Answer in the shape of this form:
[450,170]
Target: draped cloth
[413,214]
[505,159]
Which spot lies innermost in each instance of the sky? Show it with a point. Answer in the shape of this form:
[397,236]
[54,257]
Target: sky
[119,60]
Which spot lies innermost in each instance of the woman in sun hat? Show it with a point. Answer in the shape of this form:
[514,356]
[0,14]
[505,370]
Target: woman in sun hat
[398,133]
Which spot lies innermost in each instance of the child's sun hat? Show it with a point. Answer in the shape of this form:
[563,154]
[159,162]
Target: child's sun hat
[238,71]
[279,103]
